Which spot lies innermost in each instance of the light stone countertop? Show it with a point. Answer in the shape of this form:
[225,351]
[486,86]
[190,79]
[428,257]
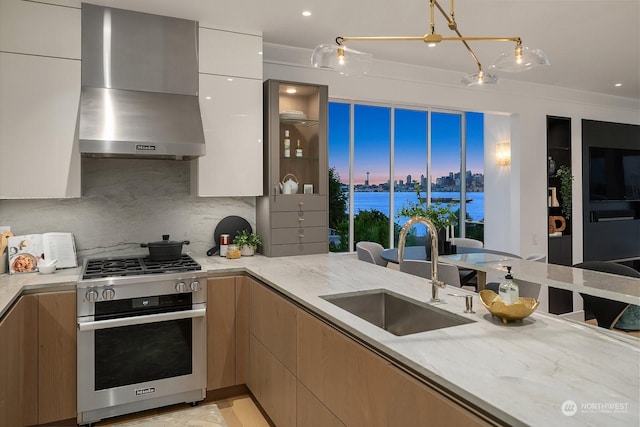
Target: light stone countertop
[596,283]
[520,372]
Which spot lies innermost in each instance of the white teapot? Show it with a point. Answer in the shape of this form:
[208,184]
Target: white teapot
[289,184]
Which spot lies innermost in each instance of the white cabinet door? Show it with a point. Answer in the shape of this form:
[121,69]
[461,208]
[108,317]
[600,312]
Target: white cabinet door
[38,114]
[229,53]
[39,29]
[232,120]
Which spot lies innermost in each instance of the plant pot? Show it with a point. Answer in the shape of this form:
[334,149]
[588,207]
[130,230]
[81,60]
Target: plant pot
[165,250]
[247,250]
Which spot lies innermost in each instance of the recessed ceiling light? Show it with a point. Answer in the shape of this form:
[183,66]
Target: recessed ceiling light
[306,13]
[229,79]
[207,97]
[259,53]
[618,84]
[291,90]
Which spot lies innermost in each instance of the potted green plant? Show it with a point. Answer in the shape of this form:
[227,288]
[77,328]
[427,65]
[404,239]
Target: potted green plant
[566,180]
[441,215]
[248,242]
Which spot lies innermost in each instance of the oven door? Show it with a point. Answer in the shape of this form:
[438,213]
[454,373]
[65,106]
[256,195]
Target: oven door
[124,360]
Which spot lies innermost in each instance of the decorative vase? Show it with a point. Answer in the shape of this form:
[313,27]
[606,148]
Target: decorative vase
[247,250]
[551,166]
[442,237]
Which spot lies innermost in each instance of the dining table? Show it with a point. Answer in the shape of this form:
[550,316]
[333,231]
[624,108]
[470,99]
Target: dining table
[468,272]
[420,253]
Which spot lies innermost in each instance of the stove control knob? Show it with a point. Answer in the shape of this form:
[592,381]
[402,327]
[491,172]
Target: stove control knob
[195,286]
[181,287]
[91,295]
[108,294]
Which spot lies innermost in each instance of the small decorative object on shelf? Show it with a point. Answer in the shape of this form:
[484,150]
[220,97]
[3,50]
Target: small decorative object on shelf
[299,150]
[553,198]
[289,184]
[557,225]
[552,166]
[287,144]
[248,242]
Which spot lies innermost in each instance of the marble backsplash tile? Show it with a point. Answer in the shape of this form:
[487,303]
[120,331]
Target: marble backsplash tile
[126,202]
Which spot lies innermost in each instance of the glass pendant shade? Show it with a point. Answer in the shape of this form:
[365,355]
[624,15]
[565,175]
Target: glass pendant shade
[480,78]
[342,59]
[523,59]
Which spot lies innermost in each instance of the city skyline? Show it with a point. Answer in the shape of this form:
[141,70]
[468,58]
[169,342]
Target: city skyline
[447,183]
[372,124]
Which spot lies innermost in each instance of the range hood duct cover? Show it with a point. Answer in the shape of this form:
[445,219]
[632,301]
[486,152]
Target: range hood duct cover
[139,96]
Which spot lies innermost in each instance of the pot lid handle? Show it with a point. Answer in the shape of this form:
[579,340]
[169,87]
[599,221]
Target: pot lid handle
[165,237]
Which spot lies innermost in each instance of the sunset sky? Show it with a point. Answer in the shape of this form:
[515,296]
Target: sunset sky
[373,135]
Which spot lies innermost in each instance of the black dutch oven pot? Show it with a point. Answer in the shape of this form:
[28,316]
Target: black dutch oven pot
[166,250]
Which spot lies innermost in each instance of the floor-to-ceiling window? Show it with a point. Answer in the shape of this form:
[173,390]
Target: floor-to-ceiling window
[372,148]
[409,161]
[339,166]
[379,153]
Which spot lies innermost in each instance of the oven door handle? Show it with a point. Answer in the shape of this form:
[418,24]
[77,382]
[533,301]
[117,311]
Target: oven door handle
[141,320]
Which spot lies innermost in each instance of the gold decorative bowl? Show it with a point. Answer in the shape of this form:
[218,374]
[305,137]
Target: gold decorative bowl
[508,313]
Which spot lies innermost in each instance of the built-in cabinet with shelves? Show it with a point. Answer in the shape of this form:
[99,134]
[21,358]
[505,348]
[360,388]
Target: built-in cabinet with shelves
[559,223]
[292,216]
[231,106]
[40,87]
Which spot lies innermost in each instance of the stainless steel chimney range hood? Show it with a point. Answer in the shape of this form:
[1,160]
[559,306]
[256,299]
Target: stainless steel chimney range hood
[139,96]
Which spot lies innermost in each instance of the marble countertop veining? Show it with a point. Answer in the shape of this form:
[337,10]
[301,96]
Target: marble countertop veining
[521,372]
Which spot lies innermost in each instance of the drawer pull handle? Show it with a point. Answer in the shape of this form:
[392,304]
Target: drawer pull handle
[300,219]
[301,235]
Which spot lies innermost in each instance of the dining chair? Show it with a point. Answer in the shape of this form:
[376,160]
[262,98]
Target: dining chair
[536,257]
[447,273]
[468,276]
[370,252]
[465,242]
[608,313]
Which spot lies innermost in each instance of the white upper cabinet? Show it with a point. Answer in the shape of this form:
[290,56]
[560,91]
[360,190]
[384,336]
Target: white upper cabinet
[231,107]
[39,98]
[232,119]
[39,29]
[229,53]
[38,114]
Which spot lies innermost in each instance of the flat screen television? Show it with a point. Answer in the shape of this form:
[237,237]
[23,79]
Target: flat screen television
[614,174]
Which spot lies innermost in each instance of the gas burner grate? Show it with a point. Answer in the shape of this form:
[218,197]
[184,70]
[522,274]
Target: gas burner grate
[185,263]
[133,266]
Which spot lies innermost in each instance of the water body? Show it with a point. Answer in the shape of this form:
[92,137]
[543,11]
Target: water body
[380,201]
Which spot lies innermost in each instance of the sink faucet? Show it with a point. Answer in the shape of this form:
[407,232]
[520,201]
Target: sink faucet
[433,232]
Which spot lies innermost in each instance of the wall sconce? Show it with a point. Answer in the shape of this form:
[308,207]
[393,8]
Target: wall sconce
[503,153]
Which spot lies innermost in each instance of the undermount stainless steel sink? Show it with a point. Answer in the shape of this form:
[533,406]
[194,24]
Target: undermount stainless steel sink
[395,313]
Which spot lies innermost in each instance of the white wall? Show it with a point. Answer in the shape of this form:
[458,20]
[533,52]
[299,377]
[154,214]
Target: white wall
[522,228]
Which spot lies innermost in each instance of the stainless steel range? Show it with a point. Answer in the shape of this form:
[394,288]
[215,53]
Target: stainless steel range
[141,335]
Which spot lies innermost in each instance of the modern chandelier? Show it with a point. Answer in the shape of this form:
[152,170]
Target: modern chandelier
[340,58]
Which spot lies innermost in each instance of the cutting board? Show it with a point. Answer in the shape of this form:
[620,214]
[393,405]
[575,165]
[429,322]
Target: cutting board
[230,225]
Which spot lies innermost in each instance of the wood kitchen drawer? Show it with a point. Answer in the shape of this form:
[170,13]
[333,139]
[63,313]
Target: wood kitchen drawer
[299,219]
[300,249]
[299,202]
[283,236]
